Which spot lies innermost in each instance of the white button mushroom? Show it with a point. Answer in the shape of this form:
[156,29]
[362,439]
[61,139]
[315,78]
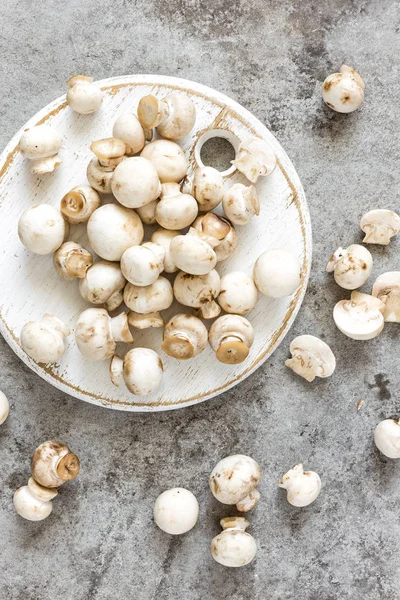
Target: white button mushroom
[110,152]
[344,91]
[192,254]
[44,340]
[112,229]
[185,336]
[238,293]
[33,501]
[42,229]
[277,273]
[387,289]
[302,487]
[141,370]
[311,358]
[174,116]
[361,317]
[148,300]
[380,226]
[176,511]
[142,265]
[84,96]
[128,129]
[96,333]
[79,204]
[164,237]
[234,479]
[103,284]
[240,203]
[387,438]
[175,210]
[254,159]
[168,159]
[199,291]
[71,261]
[351,266]
[4,407]
[231,337]
[218,232]
[40,145]
[53,464]
[207,186]
[147,213]
[233,547]
[135,182]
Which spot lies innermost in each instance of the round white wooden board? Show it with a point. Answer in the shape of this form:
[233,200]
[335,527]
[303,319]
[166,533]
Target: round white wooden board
[30,286]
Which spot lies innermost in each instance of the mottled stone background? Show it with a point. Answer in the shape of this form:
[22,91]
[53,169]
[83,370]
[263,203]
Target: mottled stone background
[100,543]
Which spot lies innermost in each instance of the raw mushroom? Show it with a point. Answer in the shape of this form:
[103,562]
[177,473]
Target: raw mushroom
[135,182]
[240,203]
[103,284]
[174,116]
[141,370]
[255,158]
[238,293]
[33,501]
[79,204]
[234,480]
[192,254]
[164,237]
[379,226]
[53,464]
[311,358]
[277,273]
[233,547]
[110,152]
[142,265]
[218,232]
[84,96]
[40,145]
[343,91]
[351,266]
[148,300]
[207,186]
[176,511]
[97,333]
[302,487]
[71,261]
[185,336]
[145,321]
[175,210]
[168,159]
[112,229]
[231,337]
[387,438]
[44,340]
[4,407]
[199,291]
[128,129]
[361,317]
[42,229]
[147,213]
[387,289]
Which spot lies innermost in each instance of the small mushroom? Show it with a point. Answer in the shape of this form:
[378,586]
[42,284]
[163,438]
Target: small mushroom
[33,501]
[277,273]
[231,337]
[42,229]
[4,407]
[185,336]
[387,438]
[343,91]
[141,370]
[175,210]
[164,237]
[128,129]
[380,226]
[97,333]
[238,293]
[361,317]
[234,480]
[199,291]
[40,145]
[176,511]
[351,266]
[53,464]
[135,182]
[103,284]
[79,204]
[174,116]
[142,265]
[109,152]
[84,96]
[207,186]
[192,254]
[233,547]
[240,203]
[168,159]
[302,487]
[254,159]
[44,340]
[148,300]
[112,229]
[218,232]
[311,358]
[71,261]
[147,213]
[387,289]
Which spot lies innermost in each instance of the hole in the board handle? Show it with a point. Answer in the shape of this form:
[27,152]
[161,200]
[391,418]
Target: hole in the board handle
[217,152]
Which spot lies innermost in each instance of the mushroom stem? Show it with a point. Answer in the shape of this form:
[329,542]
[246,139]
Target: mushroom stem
[336,256]
[238,523]
[139,321]
[79,203]
[115,300]
[120,329]
[232,350]
[180,345]
[209,310]
[249,501]
[45,165]
[68,467]
[151,111]
[116,370]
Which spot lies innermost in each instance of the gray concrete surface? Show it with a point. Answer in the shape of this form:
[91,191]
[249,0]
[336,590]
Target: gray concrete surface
[100,543]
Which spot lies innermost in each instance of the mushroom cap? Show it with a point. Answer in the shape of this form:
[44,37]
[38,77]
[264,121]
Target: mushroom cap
[128,129]
[379,226]
[39,491]
[168,159]
[207,187]
[99,176]
[387,289]
[79,203]
[84,97]
[53,464]
[351,266]
[44,340]
[180,116]
[238,293]
[311,357]
[4,407]
[361,317]
[164,237]
[231,337]
[142,371]
[71,261]
[176,511]
[233,548]
[101,281]
[185,336]
[135,182]
[149,299]
[192,254]
[387,438]
[30,508]
[303,487]
[42,229]
[255,158]
[175,210]
[93,334]
[147,213]
[277,273]
[233,478]
[241,203]
[40,141]
[112,229]
[343,91]
[142,265]
[199,291]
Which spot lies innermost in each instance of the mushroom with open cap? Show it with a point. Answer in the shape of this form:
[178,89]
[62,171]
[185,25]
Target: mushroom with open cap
[142,265]
[218,232]
[141,370]
[110,152]
[53,464]
[277,273]
[199,291]
[387,438]
[238,293]
[387,289]
[255,158]
[97,333]
[233,547]
[40,144]
[234,481]
[135,182]
[103,284]
[380,226]
[207,186]
[112,229]
[343,91]
[174,116]
[193,254]
[79,204]
[148,300]
[351,266]
[33,501]
[128,129]
[241,203]
[361,317]
[176,511]
[302,487]
[168,159]
[84,96]
[4,407]
[185,336]
[42,229]
[71,261]
[44,340]
[231,337]
[175,210]
[164,237]
[311,357]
